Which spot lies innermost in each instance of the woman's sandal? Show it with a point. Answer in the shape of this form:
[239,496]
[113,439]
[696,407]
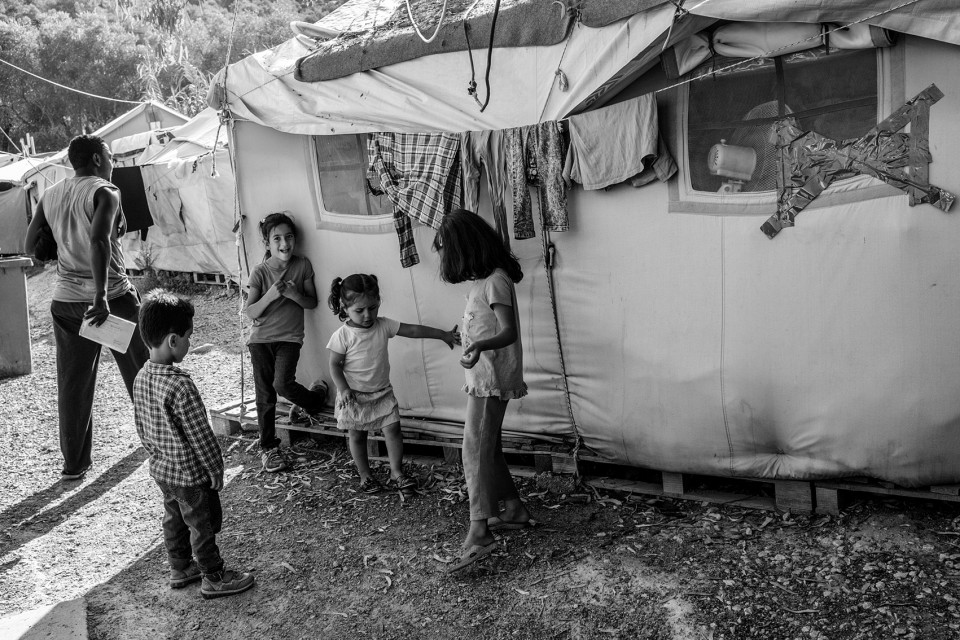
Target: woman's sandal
[471,555]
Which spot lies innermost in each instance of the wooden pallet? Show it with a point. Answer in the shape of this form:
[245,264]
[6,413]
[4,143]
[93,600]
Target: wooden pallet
[833,495]
[550,454]
[444,440]
[215,279]
[752,493]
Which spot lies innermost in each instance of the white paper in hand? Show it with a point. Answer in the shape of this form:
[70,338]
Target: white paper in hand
[115,332]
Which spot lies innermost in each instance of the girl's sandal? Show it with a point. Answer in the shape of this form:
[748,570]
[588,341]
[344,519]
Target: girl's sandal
[471,555]
[370,486]
[404,483]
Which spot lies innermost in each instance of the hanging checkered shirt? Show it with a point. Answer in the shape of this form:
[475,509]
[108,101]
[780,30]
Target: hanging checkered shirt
[173,426]
[420,173]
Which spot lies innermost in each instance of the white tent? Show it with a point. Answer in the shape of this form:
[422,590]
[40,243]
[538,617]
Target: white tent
[691,341]
[22,183]
[190,192]
[34,175]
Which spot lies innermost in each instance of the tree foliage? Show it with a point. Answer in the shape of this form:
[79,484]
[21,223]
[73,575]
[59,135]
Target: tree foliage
[163,50]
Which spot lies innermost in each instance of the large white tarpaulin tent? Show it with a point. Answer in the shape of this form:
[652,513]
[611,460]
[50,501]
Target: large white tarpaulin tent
[691,341]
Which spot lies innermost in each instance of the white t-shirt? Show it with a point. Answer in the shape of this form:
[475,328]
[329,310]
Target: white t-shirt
[366,364]
[498,372]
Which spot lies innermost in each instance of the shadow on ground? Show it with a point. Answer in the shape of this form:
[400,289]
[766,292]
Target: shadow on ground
[30,518]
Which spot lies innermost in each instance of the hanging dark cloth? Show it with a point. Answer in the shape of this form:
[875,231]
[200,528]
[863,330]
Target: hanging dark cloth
[133,197]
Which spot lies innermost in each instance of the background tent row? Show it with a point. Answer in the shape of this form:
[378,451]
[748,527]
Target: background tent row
[27,179]
[182,184]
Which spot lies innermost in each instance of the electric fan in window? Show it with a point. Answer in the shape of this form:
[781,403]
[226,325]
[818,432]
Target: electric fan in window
[732,158]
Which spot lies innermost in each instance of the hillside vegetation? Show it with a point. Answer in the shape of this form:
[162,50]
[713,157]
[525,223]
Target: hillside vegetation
[163,50]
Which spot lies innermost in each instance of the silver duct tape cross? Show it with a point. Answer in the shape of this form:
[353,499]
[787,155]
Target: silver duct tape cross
[810,162]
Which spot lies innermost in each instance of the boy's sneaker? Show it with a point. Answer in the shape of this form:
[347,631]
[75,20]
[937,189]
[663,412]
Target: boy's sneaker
[370,485]
[273,460]
[225,583]
[181,578]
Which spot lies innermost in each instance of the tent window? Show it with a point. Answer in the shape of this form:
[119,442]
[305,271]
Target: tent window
[832,94]
[342,170]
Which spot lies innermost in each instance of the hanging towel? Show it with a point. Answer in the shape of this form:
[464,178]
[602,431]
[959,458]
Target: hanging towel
[487,149]
[612,144]
[420,173]
[661,169]
[536,155]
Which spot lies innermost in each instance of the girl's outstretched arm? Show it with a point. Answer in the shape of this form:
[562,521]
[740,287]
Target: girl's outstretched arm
[503,338]
[336,372]
[307,299]
[451,337]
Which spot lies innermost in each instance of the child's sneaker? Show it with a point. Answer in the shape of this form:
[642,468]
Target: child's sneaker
[179,578]
[298,415]
[273,460]
[370,485]
[225,583]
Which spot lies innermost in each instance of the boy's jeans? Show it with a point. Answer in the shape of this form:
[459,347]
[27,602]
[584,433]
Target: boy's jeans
[275,372]
[193,516]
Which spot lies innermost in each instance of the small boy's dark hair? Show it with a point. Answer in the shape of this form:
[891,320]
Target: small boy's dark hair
[343,291]
[83,148]
[163,313]
[470,249]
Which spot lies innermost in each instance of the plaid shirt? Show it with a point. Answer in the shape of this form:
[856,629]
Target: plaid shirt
[172,424]
[420,173]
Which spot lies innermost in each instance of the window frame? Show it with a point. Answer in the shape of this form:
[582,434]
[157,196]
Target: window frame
[331,220]
[683,198]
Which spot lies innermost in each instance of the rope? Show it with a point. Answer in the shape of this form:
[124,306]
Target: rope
[486,78]
[559,72]
[443,12]
[224,103]
[548,262]
[63,86]
[226,117]
[472,85]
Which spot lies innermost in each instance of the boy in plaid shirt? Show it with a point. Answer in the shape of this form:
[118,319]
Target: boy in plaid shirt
[185,457]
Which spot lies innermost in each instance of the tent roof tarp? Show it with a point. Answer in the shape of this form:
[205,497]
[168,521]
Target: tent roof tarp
[399,96]
[524,89]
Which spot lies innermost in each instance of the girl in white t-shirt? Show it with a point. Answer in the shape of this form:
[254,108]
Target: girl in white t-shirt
[360,367]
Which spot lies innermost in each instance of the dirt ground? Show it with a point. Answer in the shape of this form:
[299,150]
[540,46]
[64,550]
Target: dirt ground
[335,563]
